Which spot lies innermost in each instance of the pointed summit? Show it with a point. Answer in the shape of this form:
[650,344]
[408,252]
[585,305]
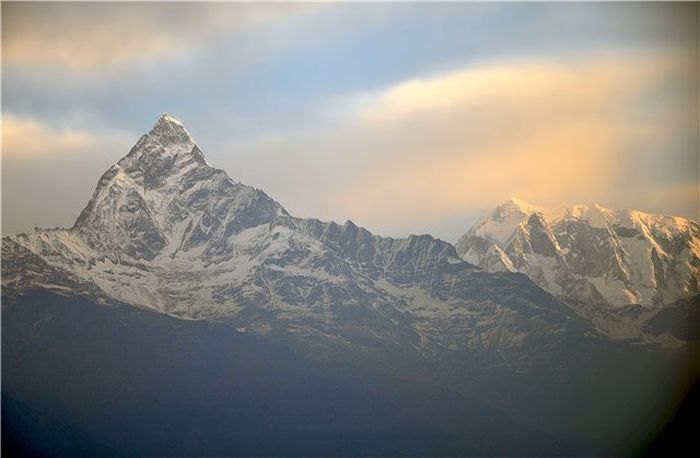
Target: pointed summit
[163,195]
[170,131]
[518,205]
[513,210]
[166,149]
[167,119]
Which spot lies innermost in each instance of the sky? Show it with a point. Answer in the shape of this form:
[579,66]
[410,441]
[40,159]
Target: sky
[405,118]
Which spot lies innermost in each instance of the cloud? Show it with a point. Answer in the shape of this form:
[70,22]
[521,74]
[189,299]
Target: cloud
[676,199]
[49,171]
[26,138]
[550,131]
[93,38]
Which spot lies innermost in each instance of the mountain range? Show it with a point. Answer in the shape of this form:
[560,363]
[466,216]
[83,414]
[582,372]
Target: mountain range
[167,232]
[173,267]
[598,260]
[590,253]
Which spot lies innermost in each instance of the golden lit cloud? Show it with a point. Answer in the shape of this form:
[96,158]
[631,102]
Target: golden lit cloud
[553,133]
[27,138]
[677,199]
[544,131]
[561,87]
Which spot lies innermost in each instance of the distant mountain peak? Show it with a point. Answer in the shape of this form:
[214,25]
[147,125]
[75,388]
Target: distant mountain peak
[514,206]
[589,253]
[516,202]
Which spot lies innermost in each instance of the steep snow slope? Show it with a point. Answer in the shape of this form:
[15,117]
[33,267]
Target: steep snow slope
[166,231]
[590,255]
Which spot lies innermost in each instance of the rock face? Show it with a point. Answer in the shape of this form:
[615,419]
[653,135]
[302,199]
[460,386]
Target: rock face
[590,255]
[166,231]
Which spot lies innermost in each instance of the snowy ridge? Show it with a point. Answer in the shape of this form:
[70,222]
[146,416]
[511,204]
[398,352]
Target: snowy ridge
[591,254]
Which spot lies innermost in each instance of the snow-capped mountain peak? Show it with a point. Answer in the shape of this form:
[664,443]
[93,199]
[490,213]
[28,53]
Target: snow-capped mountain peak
[515,205]
[500,224]
[168,145]
[169,131]
[163,195]
[590,254]
[166,118]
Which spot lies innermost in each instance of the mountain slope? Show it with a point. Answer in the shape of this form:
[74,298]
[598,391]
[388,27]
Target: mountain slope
[590,255]
[121,381]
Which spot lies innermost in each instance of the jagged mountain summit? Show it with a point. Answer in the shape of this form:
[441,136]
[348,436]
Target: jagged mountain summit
[166,231]
[590,254]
